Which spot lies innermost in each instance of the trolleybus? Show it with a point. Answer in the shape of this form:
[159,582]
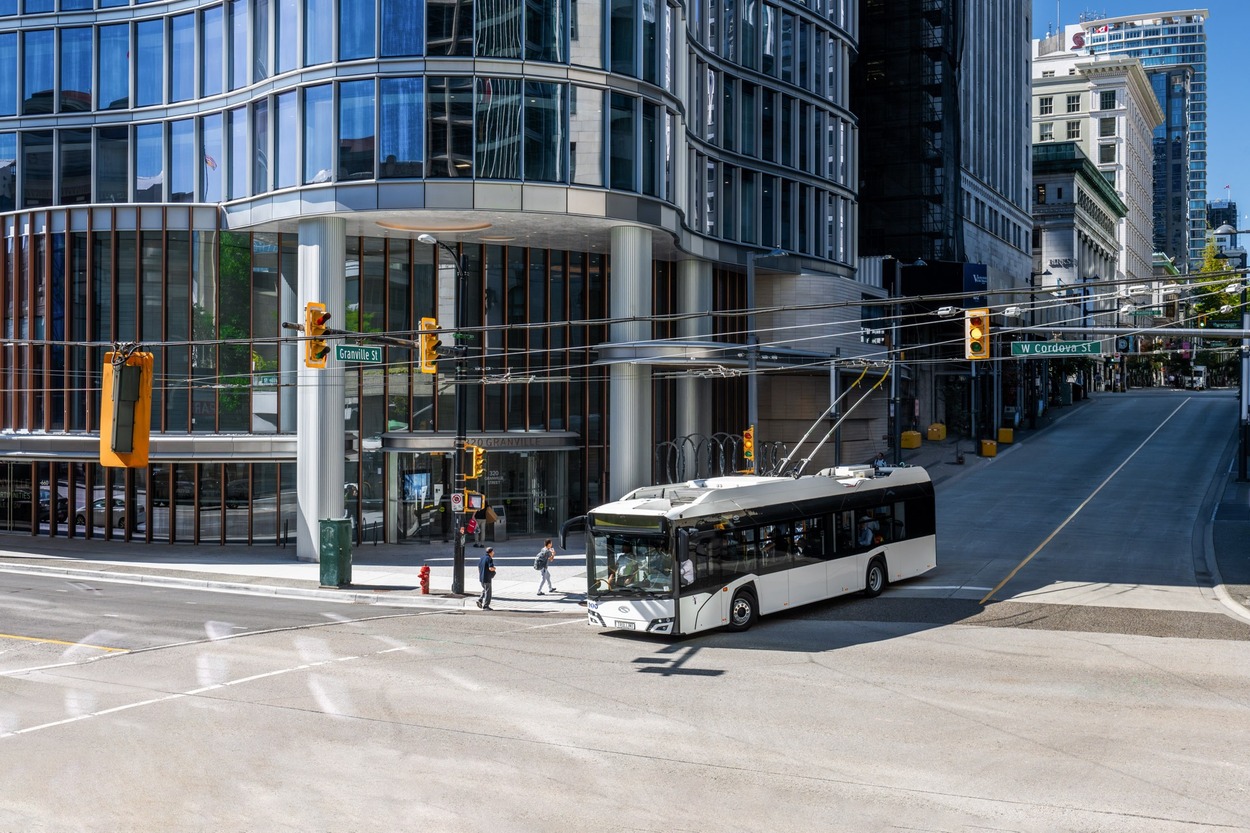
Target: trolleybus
[720,552]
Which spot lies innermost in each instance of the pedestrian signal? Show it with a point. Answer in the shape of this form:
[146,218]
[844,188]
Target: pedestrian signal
[977,333]
[428,343]
[315,347]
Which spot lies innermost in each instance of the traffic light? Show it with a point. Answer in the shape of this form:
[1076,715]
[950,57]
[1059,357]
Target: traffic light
[315,348]
[126,412]
[477,462]
[428,345]
[977,333]
[748,445]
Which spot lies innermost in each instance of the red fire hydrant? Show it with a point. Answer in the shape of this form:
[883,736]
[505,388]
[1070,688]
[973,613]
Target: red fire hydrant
[425,579]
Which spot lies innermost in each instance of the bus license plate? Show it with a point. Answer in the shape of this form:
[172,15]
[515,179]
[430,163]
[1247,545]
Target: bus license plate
[628,625]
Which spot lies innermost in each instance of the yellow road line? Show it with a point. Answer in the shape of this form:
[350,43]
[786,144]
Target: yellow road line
[61,642]
[1082,505]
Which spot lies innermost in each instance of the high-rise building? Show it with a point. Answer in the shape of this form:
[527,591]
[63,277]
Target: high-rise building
[941,92]
[600,179]
[1172,47]
[1222,213]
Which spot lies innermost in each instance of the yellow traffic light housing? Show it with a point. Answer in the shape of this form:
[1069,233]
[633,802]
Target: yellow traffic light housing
[477,462]
[126,410]
[748,445]
[315,348]
[977,333]
[428,344]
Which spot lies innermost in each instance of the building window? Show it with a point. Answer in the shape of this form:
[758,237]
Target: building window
[1046,132]
[1106,100]
[1039,193]
[1106,127]
[211,52]
[402,28]
[356,30]
[1045,105]
[498,126]
[318,134]
[8,74]
[1074,103]
[212,143]
[318,32]
[150,73]
[1074,130]
[76,66]
[1048,73]
[450,126]
[1106,153]
[149,163]
[356,130]
[546,129]
[402,112]
[38,52]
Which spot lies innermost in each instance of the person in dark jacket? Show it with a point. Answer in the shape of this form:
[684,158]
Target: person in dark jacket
[486,574]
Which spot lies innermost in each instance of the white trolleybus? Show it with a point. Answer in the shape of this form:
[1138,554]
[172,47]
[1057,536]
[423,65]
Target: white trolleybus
[687,557]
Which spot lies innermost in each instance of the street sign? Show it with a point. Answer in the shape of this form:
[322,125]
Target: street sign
[358,353]
[1046,349]
[457,502]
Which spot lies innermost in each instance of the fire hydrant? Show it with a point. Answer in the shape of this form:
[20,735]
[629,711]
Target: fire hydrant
[425,579]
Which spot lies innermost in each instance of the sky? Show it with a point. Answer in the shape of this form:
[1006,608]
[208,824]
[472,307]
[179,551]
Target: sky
[1228,81]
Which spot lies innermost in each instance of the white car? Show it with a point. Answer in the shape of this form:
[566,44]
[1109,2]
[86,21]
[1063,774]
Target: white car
[99,512]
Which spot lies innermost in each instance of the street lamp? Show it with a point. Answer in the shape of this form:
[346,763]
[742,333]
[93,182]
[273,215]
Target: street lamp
[1243,405]
[459,463]
[753,349]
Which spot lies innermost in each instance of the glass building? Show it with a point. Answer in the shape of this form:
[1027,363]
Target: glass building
[1172,47]
[187,176]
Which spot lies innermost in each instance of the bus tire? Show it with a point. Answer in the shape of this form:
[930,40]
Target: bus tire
[743,610]
[875,578]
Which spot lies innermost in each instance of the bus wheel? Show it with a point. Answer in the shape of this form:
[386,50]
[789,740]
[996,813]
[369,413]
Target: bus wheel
[742,611]
[874,581]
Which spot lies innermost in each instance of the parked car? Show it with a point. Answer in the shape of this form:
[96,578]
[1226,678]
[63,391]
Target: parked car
[45,506]
[99,512]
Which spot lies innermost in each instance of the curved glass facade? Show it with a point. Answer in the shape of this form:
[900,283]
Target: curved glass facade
[156,163]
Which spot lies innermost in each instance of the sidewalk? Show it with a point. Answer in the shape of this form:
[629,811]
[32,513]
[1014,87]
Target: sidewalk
[385,574]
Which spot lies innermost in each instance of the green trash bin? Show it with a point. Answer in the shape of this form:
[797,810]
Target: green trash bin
[336,552]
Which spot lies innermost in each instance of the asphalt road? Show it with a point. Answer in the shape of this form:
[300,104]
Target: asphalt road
[1064,669]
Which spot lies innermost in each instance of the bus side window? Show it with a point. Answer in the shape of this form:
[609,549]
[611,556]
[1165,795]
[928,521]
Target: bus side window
[847,543]
[900,521]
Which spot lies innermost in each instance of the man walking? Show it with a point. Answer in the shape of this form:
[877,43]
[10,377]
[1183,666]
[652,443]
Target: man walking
[543,561]
[486,574]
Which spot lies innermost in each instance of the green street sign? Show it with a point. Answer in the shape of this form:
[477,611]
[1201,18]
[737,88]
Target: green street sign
[358,353]
[1046,349]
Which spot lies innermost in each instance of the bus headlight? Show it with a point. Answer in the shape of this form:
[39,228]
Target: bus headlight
[661,625]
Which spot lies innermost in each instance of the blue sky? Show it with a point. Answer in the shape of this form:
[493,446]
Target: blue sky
[1228,81]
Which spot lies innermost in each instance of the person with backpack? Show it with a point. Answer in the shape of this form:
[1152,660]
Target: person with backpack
[486,575]
[542,562]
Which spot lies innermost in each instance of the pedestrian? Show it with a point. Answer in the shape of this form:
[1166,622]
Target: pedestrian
[486,574]
[479,531]
[543,562]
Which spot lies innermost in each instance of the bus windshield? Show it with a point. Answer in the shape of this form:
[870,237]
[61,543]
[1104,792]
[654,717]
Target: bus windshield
[630,565]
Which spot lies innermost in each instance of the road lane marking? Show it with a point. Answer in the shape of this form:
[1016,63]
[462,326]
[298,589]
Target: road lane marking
[1082,505]
[63,642]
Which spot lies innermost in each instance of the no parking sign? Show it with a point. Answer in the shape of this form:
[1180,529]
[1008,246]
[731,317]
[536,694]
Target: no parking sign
[457,501]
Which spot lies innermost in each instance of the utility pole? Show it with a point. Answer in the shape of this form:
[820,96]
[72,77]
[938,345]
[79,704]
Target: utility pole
[459,461]
[753,345]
